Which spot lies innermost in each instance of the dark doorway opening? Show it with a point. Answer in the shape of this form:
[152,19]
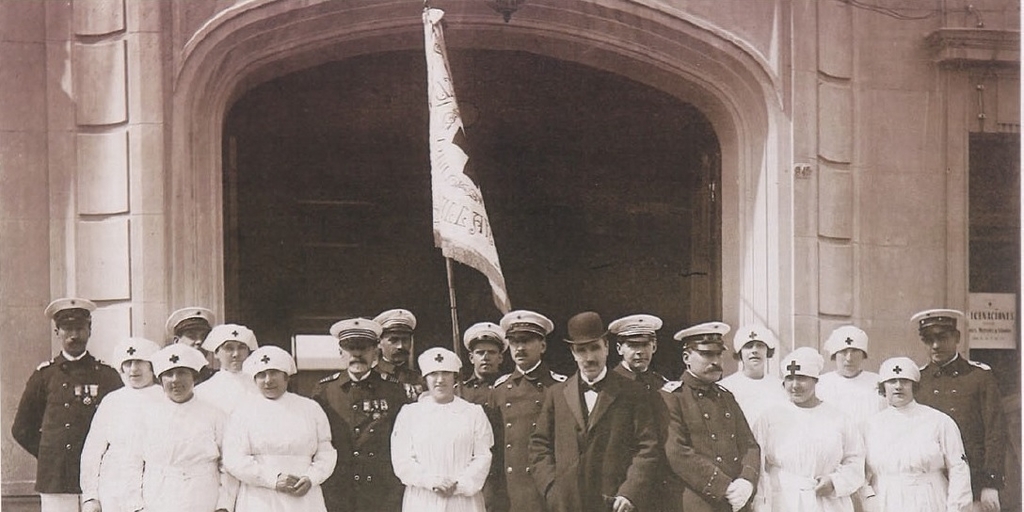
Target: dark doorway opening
[601,193]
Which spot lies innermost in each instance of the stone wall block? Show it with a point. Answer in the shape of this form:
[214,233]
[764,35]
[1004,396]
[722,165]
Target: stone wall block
[25,253]
[24,194]
[805,282]
[100,83]
[145,152]
[835,122]
[98,17]
[835,37]
[145,72]
[102,172]
[22,80]
[22,21]
[102,259]
[835,203]
[110,325]
[835,278]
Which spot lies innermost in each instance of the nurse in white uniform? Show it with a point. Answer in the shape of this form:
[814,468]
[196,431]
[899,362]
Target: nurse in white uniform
[104,477]
[278,445]
[231,344]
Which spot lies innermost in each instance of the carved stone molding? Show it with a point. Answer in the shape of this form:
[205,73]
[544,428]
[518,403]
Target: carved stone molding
[975,46]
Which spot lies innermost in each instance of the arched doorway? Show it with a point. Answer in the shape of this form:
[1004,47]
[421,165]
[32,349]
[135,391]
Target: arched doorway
[602,193]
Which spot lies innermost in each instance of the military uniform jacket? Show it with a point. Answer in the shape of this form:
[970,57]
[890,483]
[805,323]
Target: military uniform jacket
[967,392]
[362,415]
[670,486]
[519,397]
[579,458]
[478,391]
[54,415]
[410,380]
[708,444]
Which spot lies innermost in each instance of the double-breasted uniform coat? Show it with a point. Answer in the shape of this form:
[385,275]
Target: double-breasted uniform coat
[478,391]
[580,459]
[709,443]
[54,415]
[362,416]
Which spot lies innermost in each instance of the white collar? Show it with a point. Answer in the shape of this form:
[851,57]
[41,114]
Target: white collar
[69,357]
[527,372]
[353,378]
[600,376]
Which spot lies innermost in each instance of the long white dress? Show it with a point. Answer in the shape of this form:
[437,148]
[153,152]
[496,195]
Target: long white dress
[451,440]
[177,457]
[106,476]
[856,396]
[755,395]
[798,445]
[909,452]
[226,390]
[264,438]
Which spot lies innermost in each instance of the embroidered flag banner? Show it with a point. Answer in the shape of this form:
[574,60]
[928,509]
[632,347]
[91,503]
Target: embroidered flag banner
[461,228]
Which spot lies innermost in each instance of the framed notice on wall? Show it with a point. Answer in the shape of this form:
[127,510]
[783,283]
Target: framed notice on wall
[992,320]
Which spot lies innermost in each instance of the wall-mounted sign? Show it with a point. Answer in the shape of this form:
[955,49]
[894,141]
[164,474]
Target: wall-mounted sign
[318,352]
[992,320]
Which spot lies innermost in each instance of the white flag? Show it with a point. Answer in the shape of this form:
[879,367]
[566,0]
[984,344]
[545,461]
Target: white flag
[461,228]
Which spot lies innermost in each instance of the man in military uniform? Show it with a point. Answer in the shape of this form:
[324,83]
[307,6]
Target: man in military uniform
[486,344]
[59,402]
[396,346]
[965,390]
[361,407]
[190,326]
[709,444]
[519,395]
[636,341]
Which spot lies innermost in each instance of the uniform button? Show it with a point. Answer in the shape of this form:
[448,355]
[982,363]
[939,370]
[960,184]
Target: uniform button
[936,392]
[728,415]
[67,406]
[371,430]
[508,446]
[527,469]
[732,436]
[718,459]
[952,409]
[67,425]
[508,404]
[508,470]
[508,425]
[510,386]
[707,416]
[356,430]
[67,447]
[65,385]
[713,437]
[355,454]
[953,391]
[356,478]
[369,478]
[533,425]
[355,407]
[734,459]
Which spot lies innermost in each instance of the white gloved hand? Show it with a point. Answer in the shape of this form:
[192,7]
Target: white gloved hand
[990,500]
[738,493]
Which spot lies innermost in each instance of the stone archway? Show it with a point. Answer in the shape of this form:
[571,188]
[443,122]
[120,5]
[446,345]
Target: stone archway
[732,85]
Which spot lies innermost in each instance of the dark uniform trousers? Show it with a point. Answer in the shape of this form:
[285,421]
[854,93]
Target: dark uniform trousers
[410,380]
[708,444]
[967,392]
[478,391]
[362,416]
[519,398]
[581,458]
[661,499]
[54,415]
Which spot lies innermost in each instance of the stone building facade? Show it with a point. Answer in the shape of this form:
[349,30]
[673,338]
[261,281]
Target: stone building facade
[843,129]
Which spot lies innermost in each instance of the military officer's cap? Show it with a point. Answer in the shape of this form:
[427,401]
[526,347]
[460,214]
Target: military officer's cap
[269,357]
[439,359]
[635,328]
[943,319]
[134,348]
[352,330]
[401,320]
[844,337]
[485,331]
[700,336]
[803,361]
[899,368]
[527,321]
[754,332]
[68,309]
[189,318]
[229,332]
[177,355]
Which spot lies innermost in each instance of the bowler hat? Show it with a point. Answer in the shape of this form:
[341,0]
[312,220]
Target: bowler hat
[585,327]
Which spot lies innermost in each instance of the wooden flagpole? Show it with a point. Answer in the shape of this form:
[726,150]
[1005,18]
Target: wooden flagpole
[454,308]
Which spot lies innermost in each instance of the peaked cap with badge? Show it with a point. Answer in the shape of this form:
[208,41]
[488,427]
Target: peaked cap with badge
[485,331]
[527,321]
[192,317]
[703,335]
[636,328]
[400,320]
[844,337]
[56,409]
[352,330]
[938,319]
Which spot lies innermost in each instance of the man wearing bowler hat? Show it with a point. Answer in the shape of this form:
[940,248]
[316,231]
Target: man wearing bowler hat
[396,347]
[190,326]
[361,407]
[519,396]
[58,404]
[709,446]
[965,390]
[595,446]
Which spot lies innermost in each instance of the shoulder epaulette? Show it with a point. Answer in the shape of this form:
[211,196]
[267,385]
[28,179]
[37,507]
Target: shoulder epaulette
[671,386]
[923,367]
[722,389]
[979,364]
[500,380]
[329,378]
[558,377]
[44,364]
[662,377]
